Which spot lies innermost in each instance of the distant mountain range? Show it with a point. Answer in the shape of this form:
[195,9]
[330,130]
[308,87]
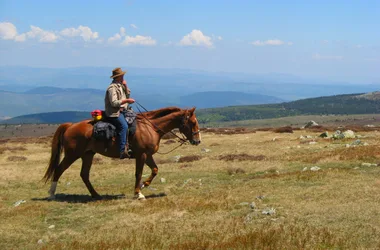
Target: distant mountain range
[53,99]
[174,83]
[25,90]
[340,104]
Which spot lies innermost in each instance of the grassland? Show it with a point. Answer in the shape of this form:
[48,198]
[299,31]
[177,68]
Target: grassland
[205,200]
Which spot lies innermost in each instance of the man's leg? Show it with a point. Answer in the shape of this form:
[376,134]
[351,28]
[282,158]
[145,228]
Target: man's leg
[123,134]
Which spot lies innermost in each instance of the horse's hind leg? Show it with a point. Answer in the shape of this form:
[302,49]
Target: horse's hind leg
[65,164]
[153,166]
[85,173]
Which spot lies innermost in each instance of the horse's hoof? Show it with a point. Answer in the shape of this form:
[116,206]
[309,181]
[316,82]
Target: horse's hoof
[142,186]
[139,197]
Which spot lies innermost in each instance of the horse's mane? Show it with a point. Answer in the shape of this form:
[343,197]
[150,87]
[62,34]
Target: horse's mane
[154,114]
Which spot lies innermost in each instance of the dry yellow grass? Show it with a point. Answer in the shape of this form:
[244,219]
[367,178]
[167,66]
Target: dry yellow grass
[204,203]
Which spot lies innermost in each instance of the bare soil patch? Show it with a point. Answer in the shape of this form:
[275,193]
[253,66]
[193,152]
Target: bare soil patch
[241,157]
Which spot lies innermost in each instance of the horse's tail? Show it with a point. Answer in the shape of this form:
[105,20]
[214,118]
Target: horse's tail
[56,150]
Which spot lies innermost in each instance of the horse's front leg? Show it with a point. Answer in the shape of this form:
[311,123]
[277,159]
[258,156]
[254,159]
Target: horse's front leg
[140,161]
[153,166]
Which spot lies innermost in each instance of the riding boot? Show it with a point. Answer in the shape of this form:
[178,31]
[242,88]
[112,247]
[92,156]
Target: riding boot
[124,154]
[127,153]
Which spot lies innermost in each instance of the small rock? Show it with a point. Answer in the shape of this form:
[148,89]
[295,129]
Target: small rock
[176,158]
[365,164]
[40,241]
[311,124]
[309,137]
[348,145]
[312,143]
[349,134]
[18,203]
[274,139]
[51,227]
[269,211]
[338,135]
[357,142]
[186,181]
[304,169]
[302,137]
[252,205]
[356,167]
[205,150]
[324,135]
[365,144]
[243,204]
[315,168]
[68,184]
[163,180]
[369,126]
[298,146]
[260,197]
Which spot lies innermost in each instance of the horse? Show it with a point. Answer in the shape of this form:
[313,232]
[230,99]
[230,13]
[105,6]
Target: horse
[76,140]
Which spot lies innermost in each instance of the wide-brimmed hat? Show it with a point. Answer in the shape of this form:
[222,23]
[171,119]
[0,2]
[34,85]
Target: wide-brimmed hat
[117,72]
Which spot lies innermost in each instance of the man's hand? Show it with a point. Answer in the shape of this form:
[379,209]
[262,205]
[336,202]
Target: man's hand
[124,82]
[130,100]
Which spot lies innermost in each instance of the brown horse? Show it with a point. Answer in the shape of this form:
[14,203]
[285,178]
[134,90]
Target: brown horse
[77,142]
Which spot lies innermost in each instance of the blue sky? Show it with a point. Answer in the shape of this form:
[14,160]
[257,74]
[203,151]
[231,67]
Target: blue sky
[334,40]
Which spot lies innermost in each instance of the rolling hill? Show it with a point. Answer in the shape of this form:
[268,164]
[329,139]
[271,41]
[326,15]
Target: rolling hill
[340,104]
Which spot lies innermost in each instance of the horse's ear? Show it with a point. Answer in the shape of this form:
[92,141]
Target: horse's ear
[192,110]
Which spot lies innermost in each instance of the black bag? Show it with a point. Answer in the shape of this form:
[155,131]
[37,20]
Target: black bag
[129,115]
[104,131]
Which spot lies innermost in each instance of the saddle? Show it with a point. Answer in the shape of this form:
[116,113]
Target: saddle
[106,131]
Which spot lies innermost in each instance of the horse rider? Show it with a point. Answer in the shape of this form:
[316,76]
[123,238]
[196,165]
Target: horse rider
[116,102]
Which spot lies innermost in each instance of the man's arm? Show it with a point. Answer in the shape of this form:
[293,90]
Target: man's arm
[112,96]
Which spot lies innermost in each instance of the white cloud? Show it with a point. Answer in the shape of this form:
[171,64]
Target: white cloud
[114,38]
[272,42]
[20,38]
[220,38]
[122,31]
[133,26]
[196,38]
[43,35]
[317,56]
[83,31]
[258,43]
[8,31]
[139,40]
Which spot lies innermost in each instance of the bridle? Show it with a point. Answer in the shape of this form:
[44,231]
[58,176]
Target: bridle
[183,125]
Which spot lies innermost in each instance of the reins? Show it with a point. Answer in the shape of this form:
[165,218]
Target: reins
[181,140]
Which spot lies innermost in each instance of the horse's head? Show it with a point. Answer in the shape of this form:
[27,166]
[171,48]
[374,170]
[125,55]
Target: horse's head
[190,128]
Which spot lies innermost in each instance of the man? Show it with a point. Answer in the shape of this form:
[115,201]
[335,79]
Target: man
[116,101]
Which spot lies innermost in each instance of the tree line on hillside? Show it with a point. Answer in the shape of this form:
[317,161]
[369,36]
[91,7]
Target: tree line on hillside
[339,105]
